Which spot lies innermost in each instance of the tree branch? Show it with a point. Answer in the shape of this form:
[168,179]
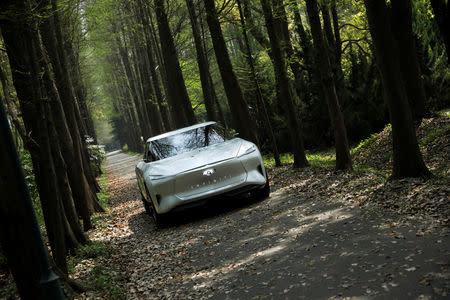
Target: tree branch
[351,25]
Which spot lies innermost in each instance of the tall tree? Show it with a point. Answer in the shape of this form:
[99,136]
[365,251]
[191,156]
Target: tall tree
[259,97]
[343,159]
[284,87]
[409,63]
[179,103]
[408,161]
[207,88]
[19,231]
[242,121]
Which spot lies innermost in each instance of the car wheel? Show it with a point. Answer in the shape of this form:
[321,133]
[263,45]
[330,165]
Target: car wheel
[147,206]
[159,219]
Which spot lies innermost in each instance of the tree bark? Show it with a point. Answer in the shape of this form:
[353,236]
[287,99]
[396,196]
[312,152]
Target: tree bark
[259,96]
[407,160]
[208,97]
[180,108]
[284,88]
[409,64]
[242,121]
[343,159]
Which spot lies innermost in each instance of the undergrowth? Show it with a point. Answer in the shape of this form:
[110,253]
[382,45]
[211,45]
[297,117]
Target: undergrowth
[102,280]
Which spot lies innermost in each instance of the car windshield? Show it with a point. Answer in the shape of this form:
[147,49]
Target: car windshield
[187,141]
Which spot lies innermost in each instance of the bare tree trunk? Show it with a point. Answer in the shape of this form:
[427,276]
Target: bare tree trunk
[343,159]
[407,160]
[180,108]
[239,110]
[259,96]
[208,97]
[284,88]
[409,64]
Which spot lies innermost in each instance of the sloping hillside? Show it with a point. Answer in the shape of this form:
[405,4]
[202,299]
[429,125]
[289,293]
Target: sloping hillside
[369,184]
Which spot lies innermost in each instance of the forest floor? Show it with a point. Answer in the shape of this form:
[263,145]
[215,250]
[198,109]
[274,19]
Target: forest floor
[320,235]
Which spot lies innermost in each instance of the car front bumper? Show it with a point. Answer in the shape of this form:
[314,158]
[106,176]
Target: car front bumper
[231,177]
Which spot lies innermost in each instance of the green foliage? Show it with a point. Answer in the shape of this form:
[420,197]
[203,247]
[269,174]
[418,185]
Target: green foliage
[97,157]
[432,56]
[27,167]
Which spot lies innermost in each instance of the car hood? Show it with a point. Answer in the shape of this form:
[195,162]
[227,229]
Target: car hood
[195,159]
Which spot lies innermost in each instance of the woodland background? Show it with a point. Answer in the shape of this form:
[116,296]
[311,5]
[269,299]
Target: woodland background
[292,76]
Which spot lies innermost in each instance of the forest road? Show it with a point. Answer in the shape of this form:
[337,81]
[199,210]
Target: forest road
[284,247]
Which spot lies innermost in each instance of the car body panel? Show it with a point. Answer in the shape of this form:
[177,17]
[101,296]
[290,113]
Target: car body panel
[231,165]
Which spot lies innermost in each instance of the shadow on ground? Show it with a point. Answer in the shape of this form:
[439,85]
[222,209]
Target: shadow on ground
[298,244]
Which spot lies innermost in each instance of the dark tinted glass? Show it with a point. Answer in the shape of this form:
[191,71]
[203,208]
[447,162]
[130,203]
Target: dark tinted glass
[187,141]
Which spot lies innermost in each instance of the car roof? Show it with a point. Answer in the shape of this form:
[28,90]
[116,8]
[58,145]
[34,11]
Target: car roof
[170,133]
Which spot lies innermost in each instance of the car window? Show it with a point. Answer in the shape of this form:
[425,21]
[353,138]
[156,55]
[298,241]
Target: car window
[187,141]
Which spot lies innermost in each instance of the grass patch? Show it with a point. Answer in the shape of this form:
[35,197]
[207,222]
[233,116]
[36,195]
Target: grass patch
[444,113]
[133,153]
[286,158]
[103,196]
[322,159]
[105,281]
[366,143]
[92,262]
[316,159]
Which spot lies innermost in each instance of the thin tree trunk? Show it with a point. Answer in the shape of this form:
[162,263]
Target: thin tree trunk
[180,108]
[239,110]
[208,98]
[343,159]
[284,88]
[259,96]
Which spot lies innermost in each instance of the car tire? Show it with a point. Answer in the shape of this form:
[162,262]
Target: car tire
[160,220]
[148,208]
[264,192]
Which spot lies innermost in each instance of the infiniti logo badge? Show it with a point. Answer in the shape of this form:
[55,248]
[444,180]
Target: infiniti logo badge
[209,172]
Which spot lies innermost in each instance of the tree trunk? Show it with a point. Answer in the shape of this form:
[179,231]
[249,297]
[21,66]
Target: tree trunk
[401,27]
[208,97]
[284,88]
[78,139]
[407,160]
[143,122]
[294,64]
[343,159]
[180,108]
[259,97]
[242,121]
[22,244]
[64,114]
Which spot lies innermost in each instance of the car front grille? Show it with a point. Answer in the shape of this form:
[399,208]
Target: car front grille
[194,182]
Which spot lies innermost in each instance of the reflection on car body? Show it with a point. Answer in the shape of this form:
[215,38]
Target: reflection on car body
[195,163]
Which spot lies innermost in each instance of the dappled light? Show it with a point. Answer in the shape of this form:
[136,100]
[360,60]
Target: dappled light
[286,246]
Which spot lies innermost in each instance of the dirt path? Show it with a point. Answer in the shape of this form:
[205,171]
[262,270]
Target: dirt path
[290,246]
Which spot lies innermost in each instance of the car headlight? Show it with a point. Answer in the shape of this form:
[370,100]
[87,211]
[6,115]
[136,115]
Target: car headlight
[246,149]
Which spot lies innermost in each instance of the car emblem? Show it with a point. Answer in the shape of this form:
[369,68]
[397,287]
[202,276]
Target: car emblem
[209,172]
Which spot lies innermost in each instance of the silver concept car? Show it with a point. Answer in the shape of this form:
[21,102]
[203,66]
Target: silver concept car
[186,167]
